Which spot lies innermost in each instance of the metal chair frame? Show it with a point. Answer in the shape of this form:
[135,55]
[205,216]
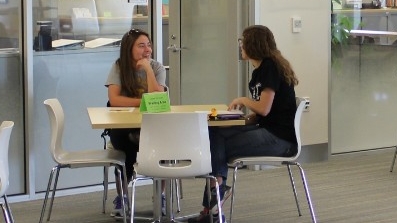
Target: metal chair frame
[287,161]
[393,161]
[187,158]
[77,159]
[108,145]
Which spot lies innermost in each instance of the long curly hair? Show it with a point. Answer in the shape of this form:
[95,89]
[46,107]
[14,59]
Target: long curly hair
[259,43]
[131,84]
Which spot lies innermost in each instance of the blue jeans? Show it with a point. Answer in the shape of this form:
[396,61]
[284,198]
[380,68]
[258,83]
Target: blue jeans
[235,141]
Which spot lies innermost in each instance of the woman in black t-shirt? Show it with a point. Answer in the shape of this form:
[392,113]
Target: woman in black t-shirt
[270,126]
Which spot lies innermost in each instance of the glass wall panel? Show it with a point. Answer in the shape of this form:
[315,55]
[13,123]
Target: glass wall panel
[364,68]
[76,44]
[85,20]
[9,24]
[165,12]
[11,90]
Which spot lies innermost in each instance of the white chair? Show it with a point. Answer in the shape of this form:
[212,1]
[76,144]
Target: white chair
[5,132]
[108,145]
[76,159]
[173,146]
[270,160]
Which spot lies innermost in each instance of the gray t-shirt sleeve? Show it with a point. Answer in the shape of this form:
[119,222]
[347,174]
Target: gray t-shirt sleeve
[159,72]
[114,76]
[158,69]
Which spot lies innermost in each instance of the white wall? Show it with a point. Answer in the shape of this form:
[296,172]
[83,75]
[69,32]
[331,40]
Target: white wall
[308,52]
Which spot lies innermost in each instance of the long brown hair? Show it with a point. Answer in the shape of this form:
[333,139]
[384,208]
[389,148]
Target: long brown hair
[259,43]
[131,84]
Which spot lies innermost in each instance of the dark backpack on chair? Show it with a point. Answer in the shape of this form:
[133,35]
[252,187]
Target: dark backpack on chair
[105,132]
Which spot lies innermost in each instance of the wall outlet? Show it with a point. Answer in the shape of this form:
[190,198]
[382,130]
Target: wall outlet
[307,104]
[296,24]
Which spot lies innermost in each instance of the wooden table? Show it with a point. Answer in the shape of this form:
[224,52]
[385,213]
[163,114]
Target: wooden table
[130,117]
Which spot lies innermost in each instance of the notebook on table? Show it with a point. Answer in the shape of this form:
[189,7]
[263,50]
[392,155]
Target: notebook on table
[225,114]
[228,115]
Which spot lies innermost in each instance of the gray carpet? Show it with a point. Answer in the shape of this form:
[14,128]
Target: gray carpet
[348,188]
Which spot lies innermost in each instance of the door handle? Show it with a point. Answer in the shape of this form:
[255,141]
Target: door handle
[174,48]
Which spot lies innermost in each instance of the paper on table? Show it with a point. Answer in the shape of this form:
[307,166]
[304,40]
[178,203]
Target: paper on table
[65,42]
[121,109]
[100,42]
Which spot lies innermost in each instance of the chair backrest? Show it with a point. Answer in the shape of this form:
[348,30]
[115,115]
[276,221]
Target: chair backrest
[174,145]
[300,103]
[56,116]
[5,133]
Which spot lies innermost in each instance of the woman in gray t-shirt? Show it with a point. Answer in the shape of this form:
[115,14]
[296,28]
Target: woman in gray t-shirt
[133,74]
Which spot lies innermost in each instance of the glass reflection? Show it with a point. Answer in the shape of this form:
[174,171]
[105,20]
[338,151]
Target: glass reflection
[85,20]
[9,24]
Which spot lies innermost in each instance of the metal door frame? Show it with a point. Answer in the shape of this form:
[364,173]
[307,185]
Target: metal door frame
[240,18]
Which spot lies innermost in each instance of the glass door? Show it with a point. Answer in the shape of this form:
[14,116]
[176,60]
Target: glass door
[203,51]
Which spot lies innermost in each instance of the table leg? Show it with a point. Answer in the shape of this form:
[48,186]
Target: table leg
[157,200]
[169,200]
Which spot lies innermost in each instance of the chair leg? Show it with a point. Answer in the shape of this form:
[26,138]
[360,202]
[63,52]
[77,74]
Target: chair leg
[218,198]
[53,193]
[233,190]
[105,188]
[133,200]
[394,160]
[5,213]
[180,189]
[169,202]
[10,217]
[294,188]
[178,195]
[208,185]
[309,200]
[125,184]
[122,194]
[132,214]
[47,193]
[157,199]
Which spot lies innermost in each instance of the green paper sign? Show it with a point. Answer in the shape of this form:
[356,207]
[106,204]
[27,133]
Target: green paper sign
[155,102]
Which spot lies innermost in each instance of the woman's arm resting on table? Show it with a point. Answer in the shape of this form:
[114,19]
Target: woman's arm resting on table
[261,107]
